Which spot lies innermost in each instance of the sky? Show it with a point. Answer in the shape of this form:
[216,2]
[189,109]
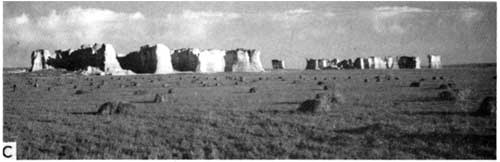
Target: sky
[461,32]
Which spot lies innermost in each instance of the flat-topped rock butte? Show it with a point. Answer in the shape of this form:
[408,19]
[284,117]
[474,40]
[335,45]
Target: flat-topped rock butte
[103,59]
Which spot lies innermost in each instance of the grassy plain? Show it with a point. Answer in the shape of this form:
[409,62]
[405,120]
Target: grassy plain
[378,120]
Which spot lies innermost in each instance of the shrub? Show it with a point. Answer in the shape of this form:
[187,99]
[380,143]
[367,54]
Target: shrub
[487,107]
[415,84]
[116,107]
[80,92]
[443,86]
[447,95]
[314,105]
[452,85]
[140,92]
[160,98]
[253,90]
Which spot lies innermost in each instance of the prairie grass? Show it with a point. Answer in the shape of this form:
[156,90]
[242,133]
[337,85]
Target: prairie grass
[377,120]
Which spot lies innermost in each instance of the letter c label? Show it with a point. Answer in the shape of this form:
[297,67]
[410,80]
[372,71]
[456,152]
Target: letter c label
[5,148]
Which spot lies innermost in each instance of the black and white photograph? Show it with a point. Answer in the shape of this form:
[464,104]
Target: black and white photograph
[256,80]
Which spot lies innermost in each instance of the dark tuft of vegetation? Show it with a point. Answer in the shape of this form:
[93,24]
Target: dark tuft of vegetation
[160,98]
[116,107]
[140,92]
[319,104]
[443,86]
[80,92]
[487,107]
[415,84]
[253,90]
[447,95]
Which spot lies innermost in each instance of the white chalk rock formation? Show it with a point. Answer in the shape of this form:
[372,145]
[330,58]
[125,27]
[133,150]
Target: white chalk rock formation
[390,62]
[111,64]
[164,63]
[371,62]
[379,63]
[408,62]
[90,59]
[211,61]
[322,63]
[149,59]
[215,60]
[243,60]
[39,59]
[186,59]
[434,61]
[312,64]
[359,63]
[278,64]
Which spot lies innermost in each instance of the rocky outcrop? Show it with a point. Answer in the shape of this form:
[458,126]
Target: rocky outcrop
[374,62]
[322,63]
[390,62]
[39,60]
[359,63]
[102,59]
[346,64]
[185,59]
[379,63]
[434,61]
[278,64]
[215,60]
[409,62]
[78,59]
[312,64]
[212,60]
[243,60]
[149,59]
[111,64]
[99,58]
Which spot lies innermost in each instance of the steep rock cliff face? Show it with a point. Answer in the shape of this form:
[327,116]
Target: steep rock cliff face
[164,64]
[434,61]
[39,60]
[211,61]
[103,59]
[243,60]
[100,56]
[149,59]
[185,59]
[111,64]
[278,64]
[408,62]
[215,60]
[312,64]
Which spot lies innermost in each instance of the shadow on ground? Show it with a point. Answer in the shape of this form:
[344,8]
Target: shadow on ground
[287,103]
[440,113]
[83,113]
[420,99]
